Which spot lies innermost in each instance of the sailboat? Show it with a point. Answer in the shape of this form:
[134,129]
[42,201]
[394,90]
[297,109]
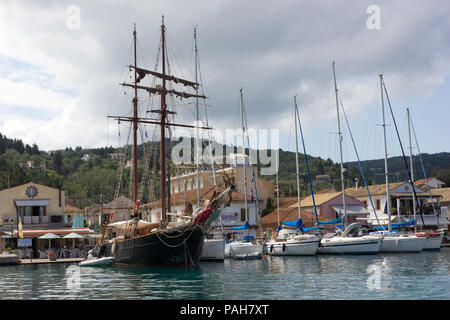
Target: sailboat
[248,247]
[395,241]
[433,239]
[289,241]
[351,240]
[162,243]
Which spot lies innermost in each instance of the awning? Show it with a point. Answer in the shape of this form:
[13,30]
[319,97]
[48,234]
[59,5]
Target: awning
[430,220]
[32,203]
[351,209]
[36,233]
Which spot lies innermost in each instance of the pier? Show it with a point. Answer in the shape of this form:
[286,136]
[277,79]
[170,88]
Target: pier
[43,261]
[8,259]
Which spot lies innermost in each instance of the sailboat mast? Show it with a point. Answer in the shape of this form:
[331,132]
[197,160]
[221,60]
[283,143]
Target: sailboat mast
[135,122]
[197,118]
[296,158]
[243,155]
[340,147]
[412,169]
[388,192]
[163,127]
[278,190]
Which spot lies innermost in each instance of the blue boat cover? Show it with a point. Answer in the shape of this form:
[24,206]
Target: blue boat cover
[397,225]
[297,223]
[248,238]
[245,226]
[336,221]
[313,228]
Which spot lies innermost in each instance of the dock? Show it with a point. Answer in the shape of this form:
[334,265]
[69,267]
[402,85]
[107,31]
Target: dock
[8,259]
[47,261]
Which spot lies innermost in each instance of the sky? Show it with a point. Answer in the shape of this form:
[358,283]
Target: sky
[62,62]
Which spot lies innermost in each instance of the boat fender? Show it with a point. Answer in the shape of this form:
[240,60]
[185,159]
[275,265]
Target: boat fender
[113,248]
[284,247]
[271,248]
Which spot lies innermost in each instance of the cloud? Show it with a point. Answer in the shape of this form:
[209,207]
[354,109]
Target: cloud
[273,50]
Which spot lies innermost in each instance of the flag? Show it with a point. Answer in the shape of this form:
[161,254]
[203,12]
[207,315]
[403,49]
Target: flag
[20,229]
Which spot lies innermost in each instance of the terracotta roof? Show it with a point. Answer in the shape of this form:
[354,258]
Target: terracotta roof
[289,213]
[68,209]
[444,193]
[424,181]
[378,189]
[121,202]
[318,199]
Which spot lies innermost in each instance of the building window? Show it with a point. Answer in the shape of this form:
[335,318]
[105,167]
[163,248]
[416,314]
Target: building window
[243,214]
[378,204]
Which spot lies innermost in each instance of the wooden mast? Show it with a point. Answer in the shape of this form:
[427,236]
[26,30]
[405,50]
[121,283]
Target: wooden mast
[135,123]
[163,128]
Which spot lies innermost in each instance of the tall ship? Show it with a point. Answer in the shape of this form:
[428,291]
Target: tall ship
[178,242]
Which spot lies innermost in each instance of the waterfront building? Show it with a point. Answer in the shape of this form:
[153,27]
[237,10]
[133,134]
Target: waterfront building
[401,203]
[329,206]
[121,206]
[39,208]
[432,183]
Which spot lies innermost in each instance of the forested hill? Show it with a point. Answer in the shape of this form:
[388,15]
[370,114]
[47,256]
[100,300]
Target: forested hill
[91,175]
[436,165]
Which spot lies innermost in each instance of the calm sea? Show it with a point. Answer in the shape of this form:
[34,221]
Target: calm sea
[385,276]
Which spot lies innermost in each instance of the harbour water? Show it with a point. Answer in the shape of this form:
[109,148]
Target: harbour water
[382,277]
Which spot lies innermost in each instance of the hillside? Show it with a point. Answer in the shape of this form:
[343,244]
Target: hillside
[94,179]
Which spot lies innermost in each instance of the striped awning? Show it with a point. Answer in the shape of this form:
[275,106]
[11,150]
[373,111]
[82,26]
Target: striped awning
[431,220]
[351,209]
[36,233]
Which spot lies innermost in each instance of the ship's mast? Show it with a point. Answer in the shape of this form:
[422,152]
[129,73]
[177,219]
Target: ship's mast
[243,155]
[135,123]
[163,128]
[340,148]
[388,192]
[412,169]
[197,160]
[296,158]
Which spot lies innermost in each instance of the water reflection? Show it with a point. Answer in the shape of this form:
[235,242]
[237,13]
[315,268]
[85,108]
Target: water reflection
[402,276]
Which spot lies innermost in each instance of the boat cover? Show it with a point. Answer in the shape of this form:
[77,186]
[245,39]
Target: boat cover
[336,221]
[245,226]
[297,223]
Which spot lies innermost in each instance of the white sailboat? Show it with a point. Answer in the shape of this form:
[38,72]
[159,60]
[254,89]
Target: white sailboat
[289,241]
[395,241]
[248,247]
[433,240]
[351,241]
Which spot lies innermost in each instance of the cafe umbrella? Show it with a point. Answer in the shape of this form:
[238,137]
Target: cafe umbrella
[73,235]
[49,236]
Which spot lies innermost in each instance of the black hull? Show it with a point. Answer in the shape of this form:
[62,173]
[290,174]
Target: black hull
[181,246]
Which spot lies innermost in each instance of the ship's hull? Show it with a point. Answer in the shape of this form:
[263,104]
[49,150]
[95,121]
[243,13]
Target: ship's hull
[347,245]
[293,248]
[179,246]
[409,244]
[213,250]
[433,243]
